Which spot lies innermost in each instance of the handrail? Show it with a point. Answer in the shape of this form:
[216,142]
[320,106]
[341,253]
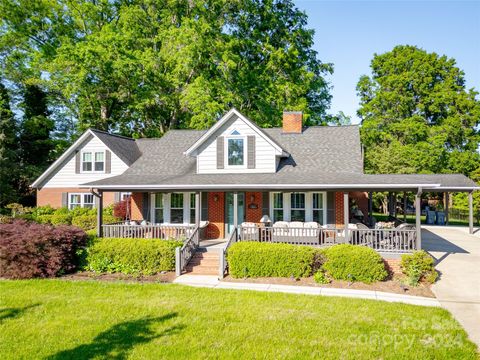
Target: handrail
[232,239]
[185,253]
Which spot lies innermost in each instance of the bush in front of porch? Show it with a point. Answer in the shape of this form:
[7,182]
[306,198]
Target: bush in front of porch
[131,256]
[257,259]
[354,263]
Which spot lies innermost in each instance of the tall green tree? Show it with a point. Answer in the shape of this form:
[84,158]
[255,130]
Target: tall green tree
[142,67]
[417,115]
[8,150]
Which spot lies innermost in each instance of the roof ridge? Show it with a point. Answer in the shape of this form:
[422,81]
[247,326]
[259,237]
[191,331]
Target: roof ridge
[115,135]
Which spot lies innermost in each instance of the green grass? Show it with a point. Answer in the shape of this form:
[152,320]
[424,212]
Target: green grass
[411,219]
[59,319]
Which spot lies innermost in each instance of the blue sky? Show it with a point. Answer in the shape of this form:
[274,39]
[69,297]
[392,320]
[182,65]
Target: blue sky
[348,33]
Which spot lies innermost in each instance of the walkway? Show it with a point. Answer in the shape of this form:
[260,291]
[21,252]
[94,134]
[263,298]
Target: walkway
[458,261]
[213,282]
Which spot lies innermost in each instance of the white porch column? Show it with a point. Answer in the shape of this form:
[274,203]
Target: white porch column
[404,206]
[447,204]
[346,215]
[197,208]
[470,212]
[418,214]
[235,209]
[100,214]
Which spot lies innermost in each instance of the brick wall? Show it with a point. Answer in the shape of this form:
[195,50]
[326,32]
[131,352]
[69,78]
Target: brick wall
[137,205]
[292,122]
[393,266]
[339,209]
[216,216]
[53,196]
[253,215]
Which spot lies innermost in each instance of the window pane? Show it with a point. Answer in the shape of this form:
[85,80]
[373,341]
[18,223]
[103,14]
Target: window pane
[87,156]
[176,200]
[298,215]
[318,216]
[98,166]
[192,201]
[318,201]
[277,215]
[99,156]
[75,199]
[176,216]
[192,216]
[298,200]
[278,201]
[235,151]
[159,216]
[88,199]
[159,201]
[87,166]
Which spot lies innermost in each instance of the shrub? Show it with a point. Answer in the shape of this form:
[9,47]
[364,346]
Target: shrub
[28,249]
[255,259]
[62,211]
[60,219]
[79,211]
[418,266]
[131,256]
[321,278]
[5,219]
[43,210]
[87,222]
[44,219]
[354,263]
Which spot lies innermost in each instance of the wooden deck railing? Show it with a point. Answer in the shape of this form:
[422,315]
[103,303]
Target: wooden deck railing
[381,240]
[232,239]
[152,231]
[185,253]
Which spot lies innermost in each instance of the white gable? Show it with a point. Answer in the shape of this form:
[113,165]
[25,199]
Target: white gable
[237,127]
[63,175]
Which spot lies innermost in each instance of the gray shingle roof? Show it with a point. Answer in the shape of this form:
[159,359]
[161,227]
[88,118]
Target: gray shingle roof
[320,156]
[125,148]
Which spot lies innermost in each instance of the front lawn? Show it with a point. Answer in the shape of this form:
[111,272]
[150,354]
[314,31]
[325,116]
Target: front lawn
[60,319]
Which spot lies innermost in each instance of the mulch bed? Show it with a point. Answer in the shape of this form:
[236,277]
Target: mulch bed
[393,285]
[166,277]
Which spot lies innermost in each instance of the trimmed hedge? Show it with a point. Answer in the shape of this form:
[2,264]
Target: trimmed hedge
[354,263]
[418,266]
[29,250]
[87,222]
[131,256]
[257,259]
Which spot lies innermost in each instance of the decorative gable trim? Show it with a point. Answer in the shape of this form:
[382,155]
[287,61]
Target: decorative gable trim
[192,151]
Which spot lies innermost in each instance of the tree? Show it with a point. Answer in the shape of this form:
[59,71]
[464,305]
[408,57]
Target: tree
[417,116]
[8,154]
[141,67]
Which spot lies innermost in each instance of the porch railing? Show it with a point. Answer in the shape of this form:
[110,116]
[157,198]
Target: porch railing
[152,231]
[381,240]
[232,239]
[185,253]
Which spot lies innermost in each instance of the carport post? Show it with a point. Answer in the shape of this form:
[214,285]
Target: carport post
[447,200]
[470,212]
[404,206]
[99,213]
[418,214]
[346,217]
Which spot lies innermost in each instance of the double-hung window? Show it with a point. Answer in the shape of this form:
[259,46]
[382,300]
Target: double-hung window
[158,208]
[192,208]
[318,210]
[93,161]
[84,200]
[297,203]
[235,149]
[176,208]
[277,205]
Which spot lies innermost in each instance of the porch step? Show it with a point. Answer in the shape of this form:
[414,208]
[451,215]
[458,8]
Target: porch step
[204,262]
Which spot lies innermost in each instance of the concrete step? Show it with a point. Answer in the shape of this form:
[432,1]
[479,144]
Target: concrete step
[202,271]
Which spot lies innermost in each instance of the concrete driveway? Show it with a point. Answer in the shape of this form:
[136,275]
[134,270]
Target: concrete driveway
[458,261]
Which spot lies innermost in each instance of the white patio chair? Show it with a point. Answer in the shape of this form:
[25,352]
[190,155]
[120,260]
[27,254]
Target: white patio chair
[280,231]
[249,231]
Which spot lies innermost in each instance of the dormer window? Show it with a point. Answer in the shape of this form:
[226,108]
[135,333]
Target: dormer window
[93,161]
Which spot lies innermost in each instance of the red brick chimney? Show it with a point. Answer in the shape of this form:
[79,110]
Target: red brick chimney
[292,122]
